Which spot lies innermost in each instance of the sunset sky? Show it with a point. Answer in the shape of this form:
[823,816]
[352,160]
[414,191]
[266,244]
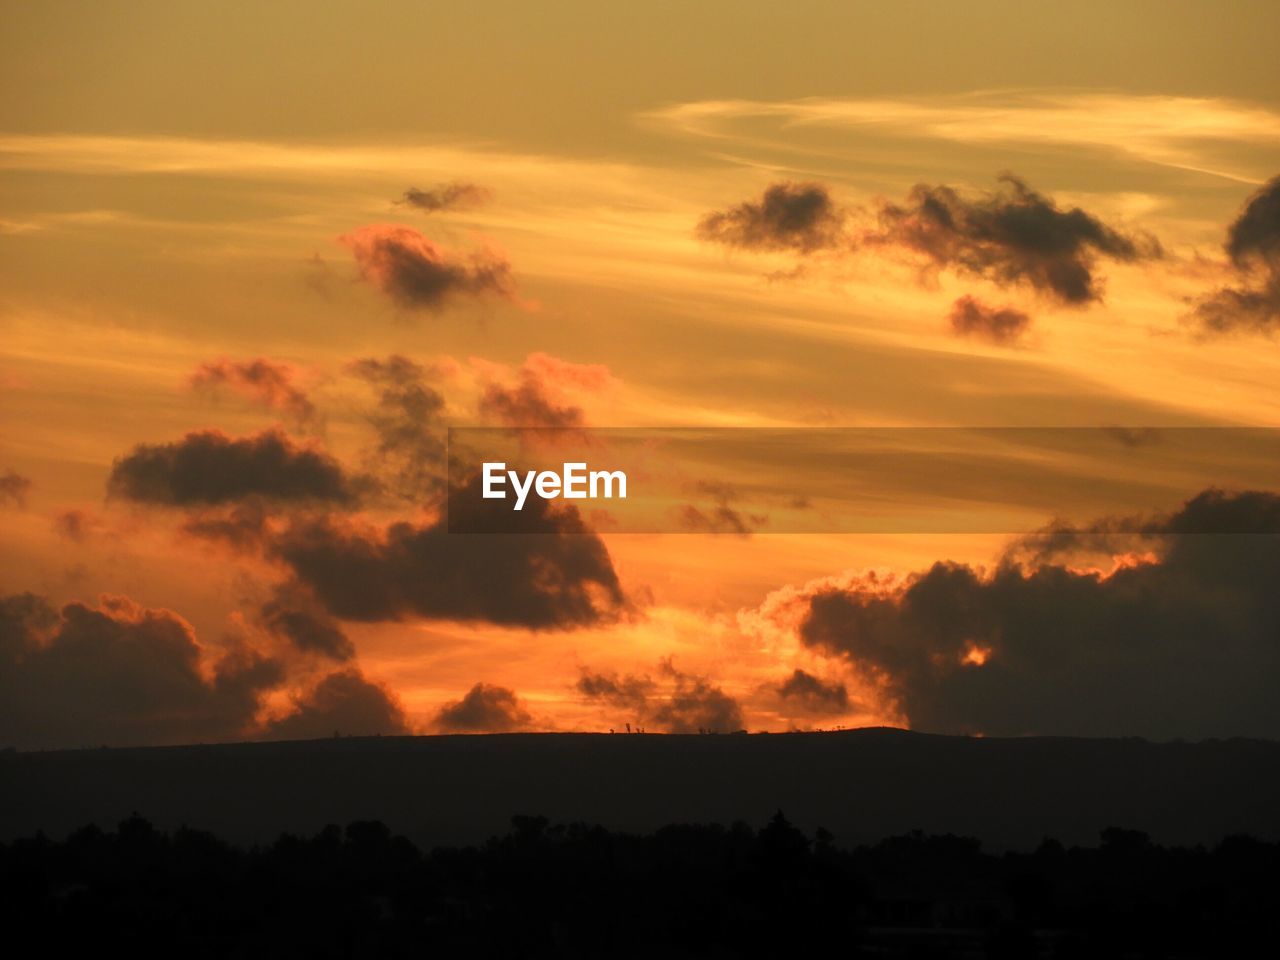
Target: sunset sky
[258,258]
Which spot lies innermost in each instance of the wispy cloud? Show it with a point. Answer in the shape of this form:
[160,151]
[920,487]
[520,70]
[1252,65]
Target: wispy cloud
[71,153]
[1166,130]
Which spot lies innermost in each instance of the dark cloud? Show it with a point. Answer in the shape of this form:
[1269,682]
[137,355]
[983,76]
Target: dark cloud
[75,524]
[270,383]
[208,467]
[244,525]
[527,404]
[485,709]
[409,420]
[343,703]
[681,703]
[1252,303]
[1013,236]
[806,693]
[1133,437]
[789,216]
[1254,236]
[538,397]
[419,275]
[620,691]
[1180,641]
[294,616]
[1241,309]
[696,705]
[447,196]
[14,488]
[1212,512]
[546,570]
[971,317]
[718,519]
[720,516]
[1096,542]
[121,674]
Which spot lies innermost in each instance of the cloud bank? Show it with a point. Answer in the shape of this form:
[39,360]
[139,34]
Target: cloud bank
[1179,643]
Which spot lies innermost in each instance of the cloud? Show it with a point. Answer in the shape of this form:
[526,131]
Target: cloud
[207,467]
[527,405]
[270,383]
[789,216]
[76,524]
[294,616]
[1252,305]
[548,570]
[1177,642]
[243,525]
[343,703]
[560,374]
[1133,437]
[971,317]
[319,276]
[806,693]
[626,691]
[419,275]
[1254,236]
[680,703]
[447,196]
[1242,309]
[1013,236]
[120,674]
[1093,543]
[696,705]
[14,488]
[1190,133]
[409,420]
[538,397]
[485,709]
[721,517]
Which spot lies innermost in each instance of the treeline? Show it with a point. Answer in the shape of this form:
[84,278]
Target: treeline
[584,891]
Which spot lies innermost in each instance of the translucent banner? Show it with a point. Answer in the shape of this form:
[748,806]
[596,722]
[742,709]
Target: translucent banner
[846,480]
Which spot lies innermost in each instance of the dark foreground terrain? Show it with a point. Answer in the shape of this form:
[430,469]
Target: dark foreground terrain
[1156,850]
[860,785]
[683,891]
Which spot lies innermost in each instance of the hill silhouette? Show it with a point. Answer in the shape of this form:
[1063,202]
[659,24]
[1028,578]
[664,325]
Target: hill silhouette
[860,785]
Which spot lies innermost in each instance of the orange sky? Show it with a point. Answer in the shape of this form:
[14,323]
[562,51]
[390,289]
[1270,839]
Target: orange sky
[187,186]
